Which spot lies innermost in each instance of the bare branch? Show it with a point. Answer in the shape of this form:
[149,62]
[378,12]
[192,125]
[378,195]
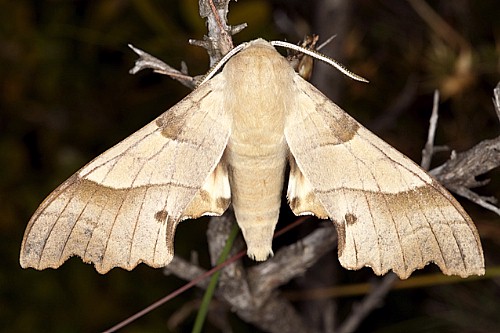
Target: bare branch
[218,42]
[185,270]
[459,173]
[485,202]
[428,151]
[147,61]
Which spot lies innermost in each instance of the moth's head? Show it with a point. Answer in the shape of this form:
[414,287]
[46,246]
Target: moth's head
[259,43]
[255,55]
[256,48]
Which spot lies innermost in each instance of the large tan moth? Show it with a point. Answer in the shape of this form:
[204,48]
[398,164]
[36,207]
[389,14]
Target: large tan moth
[229,141]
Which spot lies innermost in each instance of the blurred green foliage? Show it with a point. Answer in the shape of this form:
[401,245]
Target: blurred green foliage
[66,96]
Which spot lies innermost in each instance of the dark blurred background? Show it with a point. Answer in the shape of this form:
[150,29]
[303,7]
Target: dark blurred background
[66,96]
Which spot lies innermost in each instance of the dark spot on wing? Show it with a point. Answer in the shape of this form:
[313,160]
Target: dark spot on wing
[172,125]
[161,216]
[344,128]
[350,219]
[222,203]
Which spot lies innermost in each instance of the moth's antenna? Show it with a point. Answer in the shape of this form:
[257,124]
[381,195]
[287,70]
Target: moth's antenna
[211,72]
[321,57]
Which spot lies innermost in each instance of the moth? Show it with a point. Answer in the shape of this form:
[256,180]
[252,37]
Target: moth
[229,142]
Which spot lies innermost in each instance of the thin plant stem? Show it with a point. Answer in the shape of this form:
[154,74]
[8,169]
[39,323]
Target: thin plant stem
[209,292]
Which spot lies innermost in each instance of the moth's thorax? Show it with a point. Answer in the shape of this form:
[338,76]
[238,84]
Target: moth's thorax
[258,91]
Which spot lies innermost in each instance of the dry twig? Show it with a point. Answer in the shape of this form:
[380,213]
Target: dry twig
[459,173]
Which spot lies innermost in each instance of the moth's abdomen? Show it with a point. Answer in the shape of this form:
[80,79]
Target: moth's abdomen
[256,185]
